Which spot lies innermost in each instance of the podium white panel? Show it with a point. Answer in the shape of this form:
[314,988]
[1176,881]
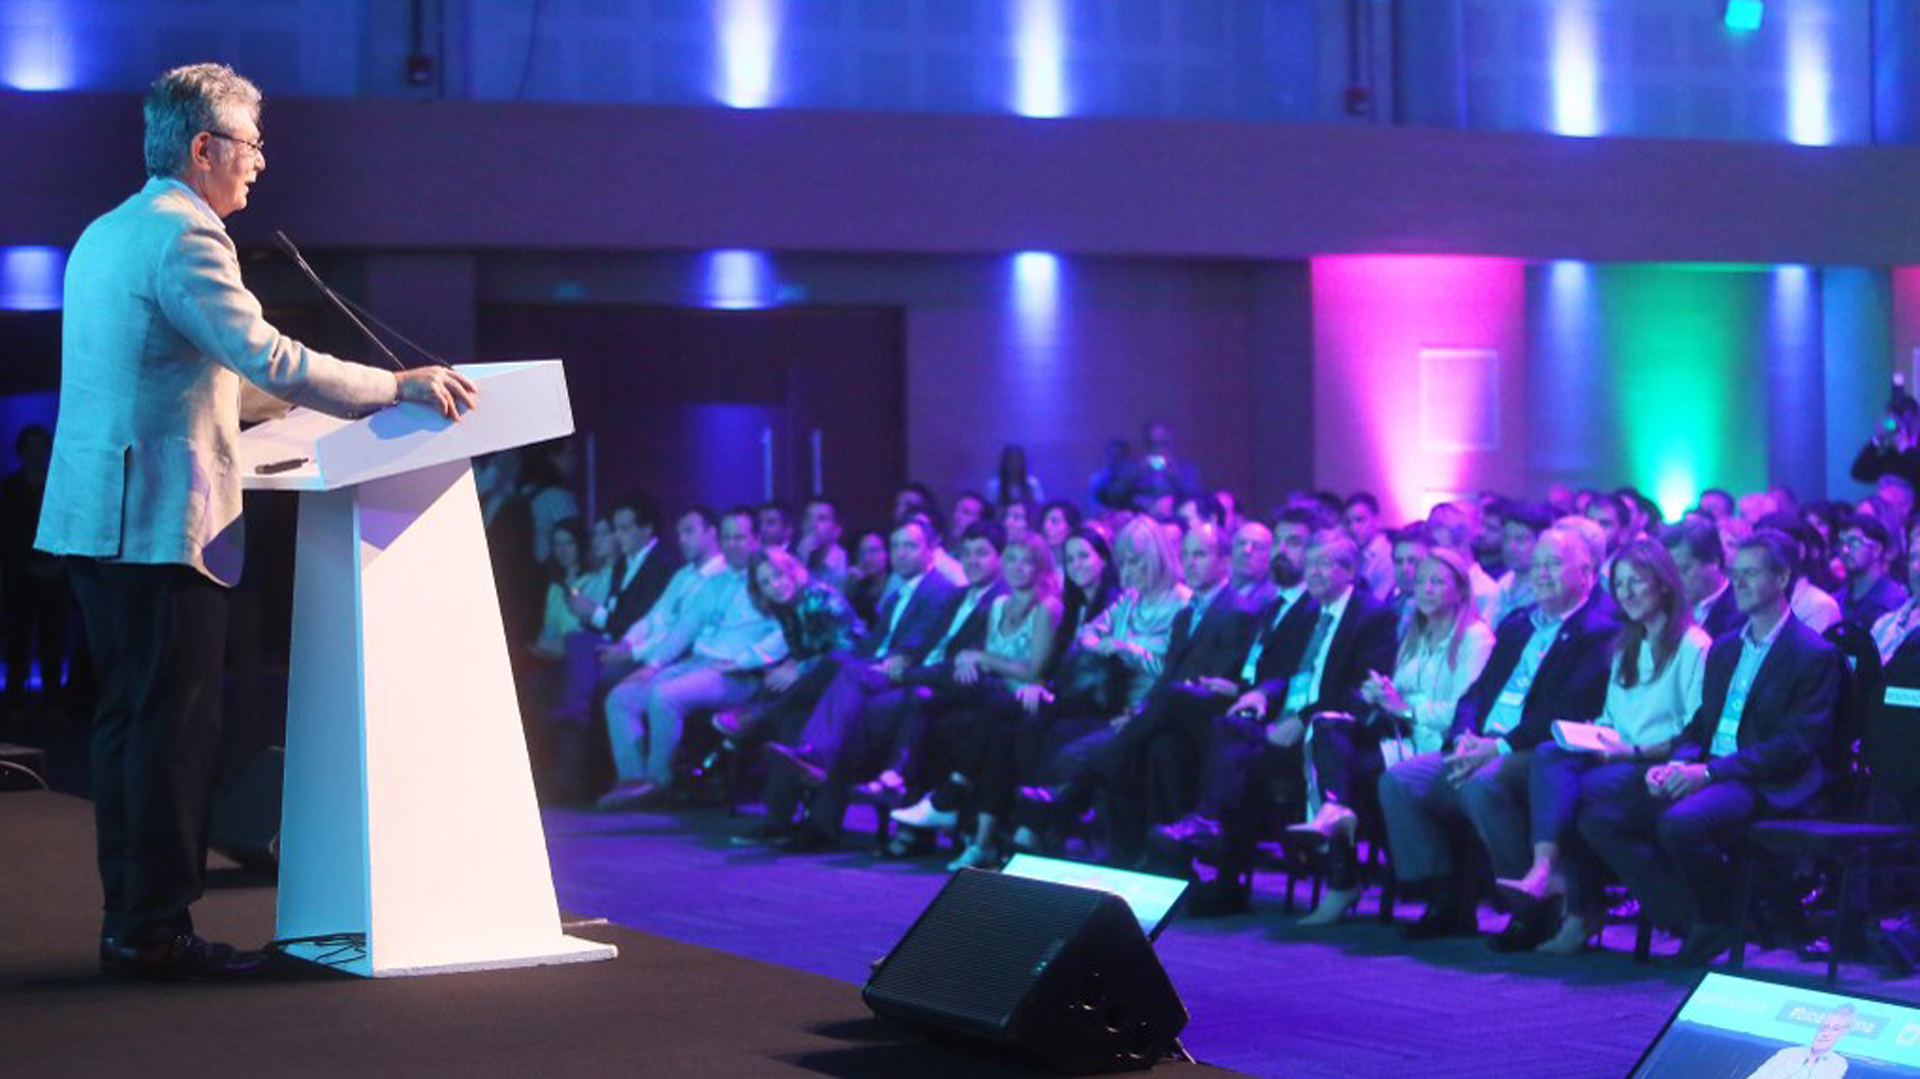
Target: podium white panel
[409,819]
[520,403]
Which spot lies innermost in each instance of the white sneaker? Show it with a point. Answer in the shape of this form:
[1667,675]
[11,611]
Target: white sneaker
[921,814]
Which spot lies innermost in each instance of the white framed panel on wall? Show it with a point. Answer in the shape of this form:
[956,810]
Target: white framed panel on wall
[1459,400]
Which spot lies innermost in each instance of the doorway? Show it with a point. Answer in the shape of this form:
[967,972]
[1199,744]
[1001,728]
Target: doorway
[719,407]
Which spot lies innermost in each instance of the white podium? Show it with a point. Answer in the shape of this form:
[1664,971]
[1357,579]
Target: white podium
[409,824]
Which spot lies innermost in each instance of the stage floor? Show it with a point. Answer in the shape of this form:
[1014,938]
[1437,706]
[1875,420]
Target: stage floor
[1267,998]
[664,1008]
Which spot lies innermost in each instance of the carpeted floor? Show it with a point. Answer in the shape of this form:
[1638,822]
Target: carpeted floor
[664,1008]
[1351,1002]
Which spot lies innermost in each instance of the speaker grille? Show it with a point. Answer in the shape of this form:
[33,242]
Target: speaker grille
[975,952]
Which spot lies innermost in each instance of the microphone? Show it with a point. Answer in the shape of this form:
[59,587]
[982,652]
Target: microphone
[347,307]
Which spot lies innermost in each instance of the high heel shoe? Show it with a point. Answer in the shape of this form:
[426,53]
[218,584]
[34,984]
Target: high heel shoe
[1333,822]
[1334,905]
[1530,891]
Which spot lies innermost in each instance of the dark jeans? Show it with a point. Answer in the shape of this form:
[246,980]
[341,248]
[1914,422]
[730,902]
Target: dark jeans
[1672,854]
[158,635]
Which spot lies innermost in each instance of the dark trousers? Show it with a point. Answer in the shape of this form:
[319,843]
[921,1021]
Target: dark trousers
[976,737]
[855,728]
[1671,854]
[1148,771]
[1242,773]
[158,635]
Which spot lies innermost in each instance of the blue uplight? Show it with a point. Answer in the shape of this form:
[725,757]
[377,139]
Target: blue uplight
[30,278]
[1809,83]
[1576,71]
[38,46]
[738,280]
[1039,57]
[749,38]
[1036,304]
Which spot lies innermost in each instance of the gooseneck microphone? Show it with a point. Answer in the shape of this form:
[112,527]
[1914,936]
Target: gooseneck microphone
[348,307]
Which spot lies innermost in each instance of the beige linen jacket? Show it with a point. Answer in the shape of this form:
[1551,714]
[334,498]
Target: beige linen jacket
[160,343]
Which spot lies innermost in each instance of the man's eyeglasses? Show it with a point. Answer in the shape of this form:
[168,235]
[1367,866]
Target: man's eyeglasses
[257,147]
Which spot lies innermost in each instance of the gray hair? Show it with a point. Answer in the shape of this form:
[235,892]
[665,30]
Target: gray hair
[1337,545]
[186,101]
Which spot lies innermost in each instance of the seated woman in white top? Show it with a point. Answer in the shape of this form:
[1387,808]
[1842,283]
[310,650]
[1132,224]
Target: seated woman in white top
[1445,647]
[1659,671]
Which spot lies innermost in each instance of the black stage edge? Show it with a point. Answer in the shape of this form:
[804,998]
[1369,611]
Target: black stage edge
[663,1008]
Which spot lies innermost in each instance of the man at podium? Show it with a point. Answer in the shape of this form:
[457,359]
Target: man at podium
[164,351]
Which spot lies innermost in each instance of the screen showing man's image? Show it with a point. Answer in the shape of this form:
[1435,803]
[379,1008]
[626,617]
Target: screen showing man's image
[1738,1028]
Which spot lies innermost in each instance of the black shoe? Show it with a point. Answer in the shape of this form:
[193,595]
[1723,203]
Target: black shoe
[1190,835]
[179,957]
[1528,929]
[809,840]
[1444,918]
[1705,941]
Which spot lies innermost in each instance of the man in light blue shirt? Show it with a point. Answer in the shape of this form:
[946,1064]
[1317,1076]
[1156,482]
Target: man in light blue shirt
[711,657]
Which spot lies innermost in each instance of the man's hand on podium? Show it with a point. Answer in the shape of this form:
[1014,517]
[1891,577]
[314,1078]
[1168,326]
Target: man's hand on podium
[445,389]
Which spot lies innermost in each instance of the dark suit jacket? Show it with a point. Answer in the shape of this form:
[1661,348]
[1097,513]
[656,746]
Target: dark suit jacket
[631,604]
[1787,725]
[1724,616]
[921,624]
[1365,639]
[1284,643]
[1214,648]
[1570,684]
[971,634]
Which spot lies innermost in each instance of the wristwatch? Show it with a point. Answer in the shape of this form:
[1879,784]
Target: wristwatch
[1706,771]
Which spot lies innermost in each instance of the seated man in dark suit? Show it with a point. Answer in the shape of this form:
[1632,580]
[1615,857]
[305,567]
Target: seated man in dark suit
[1263,734]
[1207,648]
[844,727]
[1701,559]
[1549,662]
[1179,756]
[1757,747]
[639,577]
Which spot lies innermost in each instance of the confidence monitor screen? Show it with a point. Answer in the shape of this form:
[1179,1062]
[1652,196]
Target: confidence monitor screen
[1742,1028]
[1150,898]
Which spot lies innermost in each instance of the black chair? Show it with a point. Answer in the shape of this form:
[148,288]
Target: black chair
[1846,842]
